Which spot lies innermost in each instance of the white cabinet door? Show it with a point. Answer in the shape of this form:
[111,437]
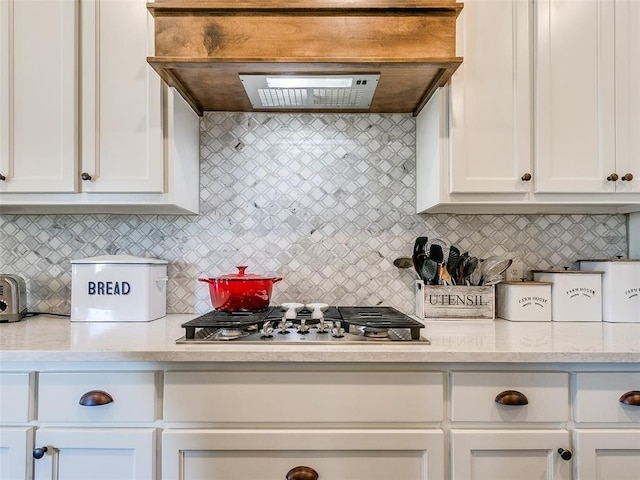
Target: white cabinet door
[122,147]
[574,96]
[509,455]
[16,444]
[628,94]
[192,454]
[96,454]
[38,96]
[607,454]
[490,123]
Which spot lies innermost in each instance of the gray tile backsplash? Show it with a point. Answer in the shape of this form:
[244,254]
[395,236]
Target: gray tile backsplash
[324,200]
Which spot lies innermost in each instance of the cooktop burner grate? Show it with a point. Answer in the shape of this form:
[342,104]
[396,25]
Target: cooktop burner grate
[360,324]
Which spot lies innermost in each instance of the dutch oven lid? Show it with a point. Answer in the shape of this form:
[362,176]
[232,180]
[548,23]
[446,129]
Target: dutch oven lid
[120,259]
[243,276]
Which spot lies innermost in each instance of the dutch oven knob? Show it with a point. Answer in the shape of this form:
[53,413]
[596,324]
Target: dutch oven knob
[38,453]
[565,454]
[302,473]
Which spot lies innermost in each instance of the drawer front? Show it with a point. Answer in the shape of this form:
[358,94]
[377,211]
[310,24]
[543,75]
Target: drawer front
[133,393]
[372,454]
[473,396]
[16,397]
[598,397]
[303,397]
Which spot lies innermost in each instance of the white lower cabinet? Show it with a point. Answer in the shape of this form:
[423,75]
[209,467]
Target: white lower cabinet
[510,425]
[15,446]
[522,454]
[604,454]
[95,453]
[345,425]
[377,454]
[607,414]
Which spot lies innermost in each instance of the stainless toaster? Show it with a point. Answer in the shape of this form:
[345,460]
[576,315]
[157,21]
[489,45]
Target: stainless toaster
[13,298]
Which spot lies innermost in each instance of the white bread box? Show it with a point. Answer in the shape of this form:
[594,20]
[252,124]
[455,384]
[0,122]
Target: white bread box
[118,288]
[620,288]
[524,301]
[576,295]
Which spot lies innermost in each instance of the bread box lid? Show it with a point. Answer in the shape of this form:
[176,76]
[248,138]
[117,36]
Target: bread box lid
[119,259]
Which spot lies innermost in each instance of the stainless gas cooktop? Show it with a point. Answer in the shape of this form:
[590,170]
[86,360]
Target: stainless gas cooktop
[311,325]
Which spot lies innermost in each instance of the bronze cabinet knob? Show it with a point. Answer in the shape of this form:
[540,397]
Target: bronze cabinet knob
[302,473]
[95,398]
[511,397]
[2,178]
[565,454]
[526,177]
[85,176]
[631,398]
[627,177]
[613,177]
[38,453]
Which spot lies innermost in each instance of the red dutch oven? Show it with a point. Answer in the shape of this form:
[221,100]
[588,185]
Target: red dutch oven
[240,292]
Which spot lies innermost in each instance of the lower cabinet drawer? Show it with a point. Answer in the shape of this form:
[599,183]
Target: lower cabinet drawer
[474,395]
[16,397]
[600,397]
[303,397]
[190,454]
[133,397]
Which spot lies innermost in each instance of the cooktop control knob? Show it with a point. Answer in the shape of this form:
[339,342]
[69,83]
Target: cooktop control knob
[267,330]
[338,331]
[303,328]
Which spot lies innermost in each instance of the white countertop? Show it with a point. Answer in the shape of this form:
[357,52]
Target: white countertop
[46,338]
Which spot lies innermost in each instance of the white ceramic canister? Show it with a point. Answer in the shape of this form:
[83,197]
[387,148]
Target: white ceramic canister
[524,301]
[576,295]
[620,288]
[118,288]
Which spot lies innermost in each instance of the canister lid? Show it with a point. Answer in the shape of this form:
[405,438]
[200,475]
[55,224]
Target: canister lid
[526,282]
[120,259]
[617,259]
[579,272]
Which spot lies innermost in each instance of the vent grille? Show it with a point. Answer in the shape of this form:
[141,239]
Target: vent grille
[357,96]
[1,290]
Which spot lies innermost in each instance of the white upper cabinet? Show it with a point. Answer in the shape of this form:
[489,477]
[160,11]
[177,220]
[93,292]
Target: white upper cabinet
[575,79]
[543,115]
[38,91]
[490,102]
[628,94]
[86,123]
[121,99]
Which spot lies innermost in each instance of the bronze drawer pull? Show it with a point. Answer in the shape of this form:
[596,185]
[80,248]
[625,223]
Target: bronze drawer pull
[95,398]
[526,177]
[2,178]
[511,397]
[627,177]
[631,398]
[85,176]
[302,473]
[613,177]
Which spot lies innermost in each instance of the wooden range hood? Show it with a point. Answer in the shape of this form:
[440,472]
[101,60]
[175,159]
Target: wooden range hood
[203,46]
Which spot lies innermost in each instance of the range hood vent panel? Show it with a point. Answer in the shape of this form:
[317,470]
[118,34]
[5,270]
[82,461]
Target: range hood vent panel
[356,94]
[202,47]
